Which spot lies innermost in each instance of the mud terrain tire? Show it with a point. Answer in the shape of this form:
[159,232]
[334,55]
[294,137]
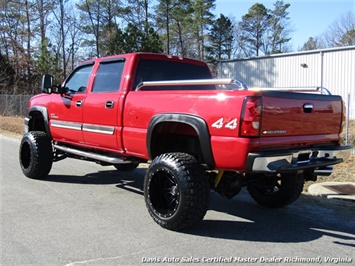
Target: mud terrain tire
[176,191]
[270,192]
[36,154]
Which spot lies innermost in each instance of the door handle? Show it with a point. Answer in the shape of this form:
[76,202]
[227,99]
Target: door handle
[110,104]
[79,103]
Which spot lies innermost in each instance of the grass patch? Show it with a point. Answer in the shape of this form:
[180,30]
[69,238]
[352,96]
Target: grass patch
[14,124]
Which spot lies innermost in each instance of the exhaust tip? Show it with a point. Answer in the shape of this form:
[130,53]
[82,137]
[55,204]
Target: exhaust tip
[324,171]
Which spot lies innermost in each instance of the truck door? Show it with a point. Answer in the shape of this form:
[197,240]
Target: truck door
[66,111]
[102,117]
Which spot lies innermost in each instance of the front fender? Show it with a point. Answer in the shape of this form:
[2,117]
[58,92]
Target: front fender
[33,114]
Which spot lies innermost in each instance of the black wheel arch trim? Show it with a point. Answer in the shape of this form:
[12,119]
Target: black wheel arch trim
[43,110]
[196,122]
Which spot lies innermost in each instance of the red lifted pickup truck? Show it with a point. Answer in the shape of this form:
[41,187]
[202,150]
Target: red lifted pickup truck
[197,132]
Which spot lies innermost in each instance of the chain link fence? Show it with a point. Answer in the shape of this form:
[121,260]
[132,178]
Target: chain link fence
[14,105]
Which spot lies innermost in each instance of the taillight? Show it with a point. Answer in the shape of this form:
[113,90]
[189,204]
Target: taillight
[251,117]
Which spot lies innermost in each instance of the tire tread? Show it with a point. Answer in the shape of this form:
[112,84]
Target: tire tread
[41,154]
[195,188]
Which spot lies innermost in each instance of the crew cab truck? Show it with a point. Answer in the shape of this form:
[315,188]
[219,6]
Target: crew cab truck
[196,132]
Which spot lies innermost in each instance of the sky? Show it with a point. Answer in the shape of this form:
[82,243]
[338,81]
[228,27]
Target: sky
[307,18]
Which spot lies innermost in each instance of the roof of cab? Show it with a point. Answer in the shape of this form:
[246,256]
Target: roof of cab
[145,55]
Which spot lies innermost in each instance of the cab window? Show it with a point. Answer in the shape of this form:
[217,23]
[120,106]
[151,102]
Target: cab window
[78,81]
[108,76]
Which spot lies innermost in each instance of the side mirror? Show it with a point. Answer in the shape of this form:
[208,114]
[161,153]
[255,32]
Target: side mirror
[47,84]
[62,90]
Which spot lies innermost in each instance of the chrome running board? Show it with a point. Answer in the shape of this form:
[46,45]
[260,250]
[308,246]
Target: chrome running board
[90,155]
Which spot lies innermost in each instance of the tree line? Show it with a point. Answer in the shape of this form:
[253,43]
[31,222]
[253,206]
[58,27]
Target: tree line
[339,33]
[51,36]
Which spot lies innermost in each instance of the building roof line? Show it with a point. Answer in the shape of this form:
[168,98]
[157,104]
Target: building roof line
[319,51]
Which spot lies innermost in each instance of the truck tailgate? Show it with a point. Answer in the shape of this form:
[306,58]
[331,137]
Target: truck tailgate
[299,119]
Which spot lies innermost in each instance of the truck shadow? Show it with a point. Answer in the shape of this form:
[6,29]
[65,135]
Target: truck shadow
[305,220]
[104,177]
[240,218]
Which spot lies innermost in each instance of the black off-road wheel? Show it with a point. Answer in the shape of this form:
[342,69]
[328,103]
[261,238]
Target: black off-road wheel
[176,191]
[276,191]
[36,154]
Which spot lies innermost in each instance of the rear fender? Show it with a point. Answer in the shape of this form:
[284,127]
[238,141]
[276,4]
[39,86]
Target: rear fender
[196,123]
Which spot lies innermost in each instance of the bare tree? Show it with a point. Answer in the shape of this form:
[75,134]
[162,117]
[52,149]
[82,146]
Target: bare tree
[91,20]
[16,21]
[100,19]
[341,32]
[138,13]
[75,40]
[60,30]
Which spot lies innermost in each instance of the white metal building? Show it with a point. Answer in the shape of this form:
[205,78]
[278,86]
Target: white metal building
[333,69]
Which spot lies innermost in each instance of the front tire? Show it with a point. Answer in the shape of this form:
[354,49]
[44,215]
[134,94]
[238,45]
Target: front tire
[176,191]
[36,154]
[276,191]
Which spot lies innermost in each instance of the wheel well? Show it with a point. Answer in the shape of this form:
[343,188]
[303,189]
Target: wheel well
[37,122]
[175,137]
[175,132]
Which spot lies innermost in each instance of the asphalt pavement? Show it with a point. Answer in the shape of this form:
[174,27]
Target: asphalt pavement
[343,191]
[87,214]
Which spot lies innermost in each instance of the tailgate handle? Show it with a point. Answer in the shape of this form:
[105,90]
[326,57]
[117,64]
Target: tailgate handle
[308,108]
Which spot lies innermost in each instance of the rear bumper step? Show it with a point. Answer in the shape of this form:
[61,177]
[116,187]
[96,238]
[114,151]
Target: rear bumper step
[289,161]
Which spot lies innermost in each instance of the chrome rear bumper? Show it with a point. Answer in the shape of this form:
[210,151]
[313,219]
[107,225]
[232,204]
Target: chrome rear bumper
[289,161]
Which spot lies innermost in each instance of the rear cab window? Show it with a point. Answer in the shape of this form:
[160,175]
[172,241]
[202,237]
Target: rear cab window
[159,70]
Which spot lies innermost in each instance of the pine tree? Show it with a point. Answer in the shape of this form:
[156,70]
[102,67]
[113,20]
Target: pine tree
[221,39]
[311,44]
[253,27]
[202,20]
[172,17]
[279,29]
